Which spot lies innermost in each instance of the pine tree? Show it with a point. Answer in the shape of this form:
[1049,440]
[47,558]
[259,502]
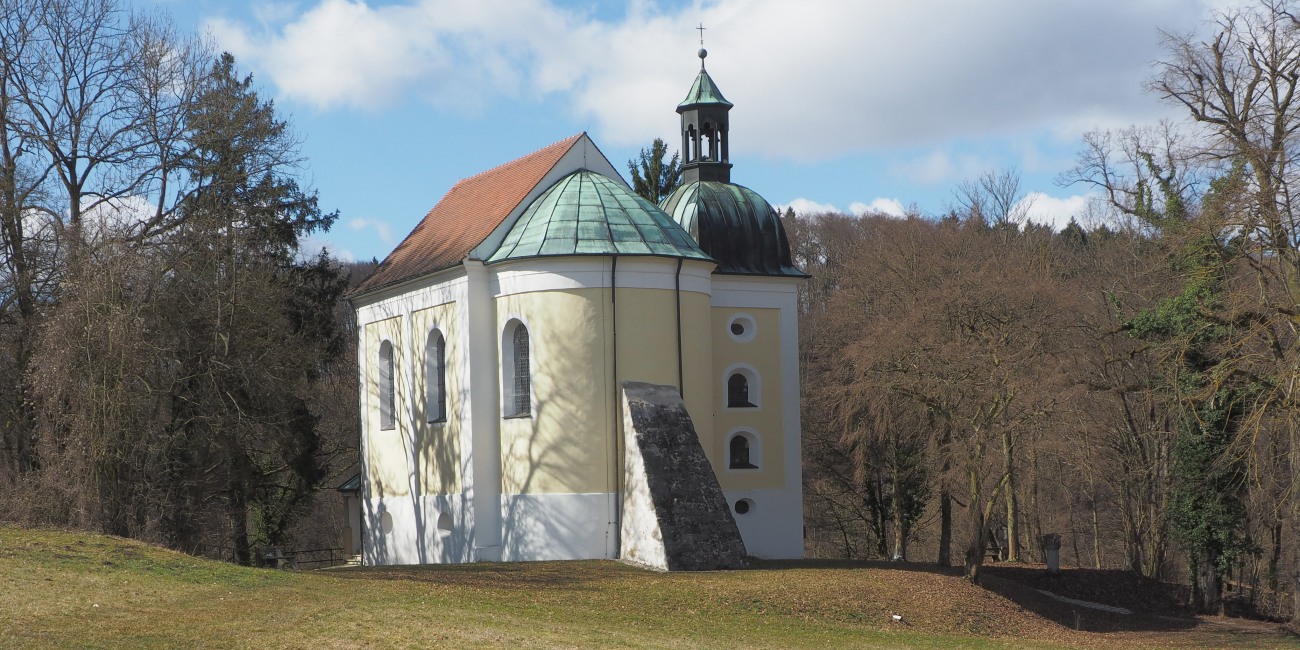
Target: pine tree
[651,178]
[253,324]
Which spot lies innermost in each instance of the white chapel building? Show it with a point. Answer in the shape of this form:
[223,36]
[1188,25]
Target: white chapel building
[494,340]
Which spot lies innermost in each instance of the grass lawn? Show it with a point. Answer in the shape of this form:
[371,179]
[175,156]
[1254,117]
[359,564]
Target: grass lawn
[61,589]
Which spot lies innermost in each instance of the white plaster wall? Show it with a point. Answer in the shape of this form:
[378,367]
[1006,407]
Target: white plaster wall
[640,537]
[415,538]
[773,527]
[557,527]
[561,273]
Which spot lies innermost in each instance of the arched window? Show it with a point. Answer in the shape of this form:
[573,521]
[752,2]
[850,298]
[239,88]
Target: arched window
[738,452]
[741,387]
[435,377]
[516,371]
[738,392]
[387,387]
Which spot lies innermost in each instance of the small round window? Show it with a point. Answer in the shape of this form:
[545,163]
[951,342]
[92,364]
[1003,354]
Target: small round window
[741,328]
[386,523]
[743,506]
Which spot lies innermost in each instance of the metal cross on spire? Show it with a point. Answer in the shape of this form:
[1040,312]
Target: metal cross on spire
[703,52]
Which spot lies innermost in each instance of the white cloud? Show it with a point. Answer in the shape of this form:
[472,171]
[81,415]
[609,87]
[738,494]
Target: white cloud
[312,245]
[852,76]
[1056,211]
[380,228]
[891,207]
[806,206]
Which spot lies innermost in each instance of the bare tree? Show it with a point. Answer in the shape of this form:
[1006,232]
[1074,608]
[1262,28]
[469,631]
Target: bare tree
[995,198]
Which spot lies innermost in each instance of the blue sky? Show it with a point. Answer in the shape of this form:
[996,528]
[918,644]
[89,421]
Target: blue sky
[839,104]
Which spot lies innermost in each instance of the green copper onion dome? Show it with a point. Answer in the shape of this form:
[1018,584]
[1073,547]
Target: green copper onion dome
[732,223]
[586,213]
[735,226]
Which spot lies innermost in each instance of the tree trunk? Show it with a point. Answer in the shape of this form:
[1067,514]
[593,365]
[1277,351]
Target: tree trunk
[1035,520]
[979,528]
[945,528]
[1013,509]
[900,516]
[1096,535]
[1275,564]
[239,534]
[1205,586]
[1295,597]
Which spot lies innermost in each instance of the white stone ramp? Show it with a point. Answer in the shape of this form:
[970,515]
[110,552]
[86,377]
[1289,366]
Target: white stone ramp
[675,517]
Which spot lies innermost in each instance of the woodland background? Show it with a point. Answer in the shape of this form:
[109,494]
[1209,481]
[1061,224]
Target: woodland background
[174,368]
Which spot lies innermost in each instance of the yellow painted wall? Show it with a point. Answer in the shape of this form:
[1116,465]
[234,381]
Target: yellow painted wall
[647,341]
[647,336]
[565,445]
[568,443]
[438,443]
[648,347]
[763,353]
[387,450]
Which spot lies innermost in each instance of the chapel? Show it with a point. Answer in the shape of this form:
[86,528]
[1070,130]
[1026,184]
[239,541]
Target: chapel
[493,343]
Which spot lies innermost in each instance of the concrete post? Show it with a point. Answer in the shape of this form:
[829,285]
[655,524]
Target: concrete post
[1051,543]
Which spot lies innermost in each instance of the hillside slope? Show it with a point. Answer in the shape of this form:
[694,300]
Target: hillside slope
[61,589]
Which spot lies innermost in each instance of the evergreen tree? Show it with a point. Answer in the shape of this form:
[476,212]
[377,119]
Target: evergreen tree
[651,177]
[253,325]
[1194,334]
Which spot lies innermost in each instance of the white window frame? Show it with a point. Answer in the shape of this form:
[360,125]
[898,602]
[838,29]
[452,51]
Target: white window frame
[755,449]
[387,379]
[509,403]
[435,376]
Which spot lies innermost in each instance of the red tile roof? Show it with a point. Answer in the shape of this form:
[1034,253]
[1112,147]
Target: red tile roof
[469,212]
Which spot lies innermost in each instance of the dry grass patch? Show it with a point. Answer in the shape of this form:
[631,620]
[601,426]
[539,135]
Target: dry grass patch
[62,589]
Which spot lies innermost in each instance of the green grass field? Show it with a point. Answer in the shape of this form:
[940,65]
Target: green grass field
[61,589]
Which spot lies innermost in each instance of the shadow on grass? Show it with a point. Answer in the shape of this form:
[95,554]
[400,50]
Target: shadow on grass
[819,564]
[1155,606]
[568,574]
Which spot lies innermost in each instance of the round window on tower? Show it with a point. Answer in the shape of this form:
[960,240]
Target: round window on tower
[741,328]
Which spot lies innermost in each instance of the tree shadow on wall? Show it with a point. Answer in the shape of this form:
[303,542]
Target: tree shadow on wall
[555,462]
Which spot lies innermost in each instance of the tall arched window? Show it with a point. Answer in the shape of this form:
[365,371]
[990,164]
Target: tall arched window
[435,377]
[516,371]
[739,450]
[738,391]
[387,387]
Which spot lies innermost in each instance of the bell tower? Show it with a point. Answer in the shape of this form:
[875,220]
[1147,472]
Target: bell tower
[704,130]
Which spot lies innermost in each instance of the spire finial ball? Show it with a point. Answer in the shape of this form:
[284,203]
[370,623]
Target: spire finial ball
[703,53]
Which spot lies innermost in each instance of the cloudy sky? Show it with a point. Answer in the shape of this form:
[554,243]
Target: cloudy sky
[839,104]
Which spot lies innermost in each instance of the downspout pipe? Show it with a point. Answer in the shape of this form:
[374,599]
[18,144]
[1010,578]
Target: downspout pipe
[677,294]
[616,406]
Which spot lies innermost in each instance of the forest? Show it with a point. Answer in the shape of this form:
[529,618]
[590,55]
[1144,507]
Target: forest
[1127,385]
[174,367]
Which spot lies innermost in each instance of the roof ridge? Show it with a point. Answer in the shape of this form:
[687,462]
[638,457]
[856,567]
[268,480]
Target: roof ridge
[466,215]
[569,141]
